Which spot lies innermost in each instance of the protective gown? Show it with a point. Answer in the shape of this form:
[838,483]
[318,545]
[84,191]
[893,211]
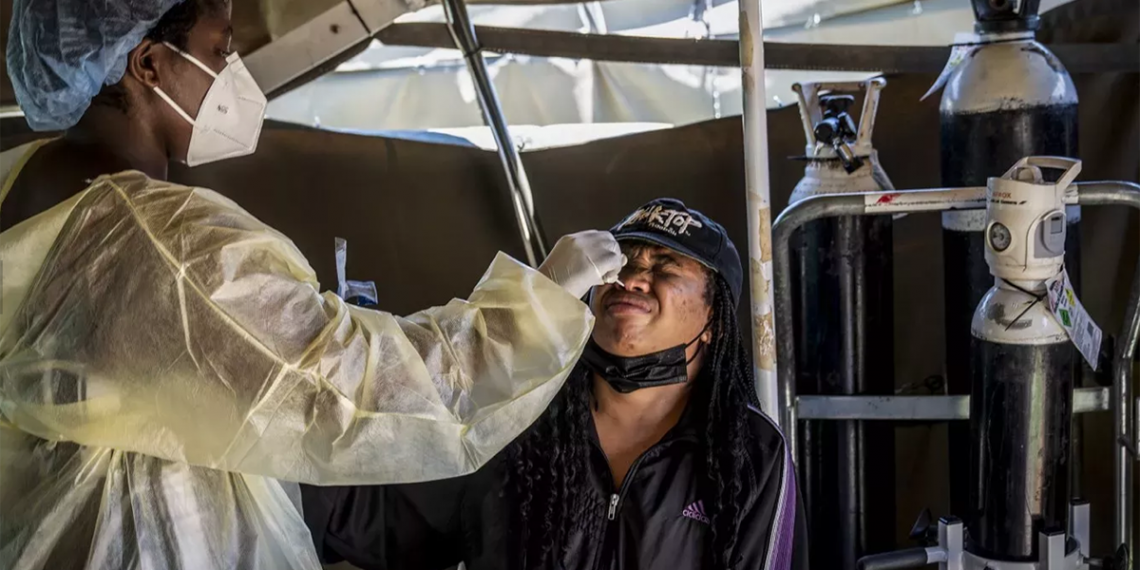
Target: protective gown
[169,370]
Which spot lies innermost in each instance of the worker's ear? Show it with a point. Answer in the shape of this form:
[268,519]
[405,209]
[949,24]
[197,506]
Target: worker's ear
[144,61]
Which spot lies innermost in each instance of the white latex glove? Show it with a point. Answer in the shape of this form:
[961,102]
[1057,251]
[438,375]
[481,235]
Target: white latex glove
[583,260]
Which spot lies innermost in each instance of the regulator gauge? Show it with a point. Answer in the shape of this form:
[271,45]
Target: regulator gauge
[1000,238]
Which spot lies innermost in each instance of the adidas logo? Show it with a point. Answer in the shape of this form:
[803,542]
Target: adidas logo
[696,511]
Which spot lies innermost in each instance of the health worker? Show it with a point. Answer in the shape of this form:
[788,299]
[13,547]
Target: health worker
[169,370]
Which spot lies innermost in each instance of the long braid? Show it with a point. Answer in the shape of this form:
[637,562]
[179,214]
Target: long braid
[729,388]
[547,476]
[548,468]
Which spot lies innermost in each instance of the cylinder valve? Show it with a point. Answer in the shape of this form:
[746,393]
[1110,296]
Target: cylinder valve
[838,130]
[1025,231]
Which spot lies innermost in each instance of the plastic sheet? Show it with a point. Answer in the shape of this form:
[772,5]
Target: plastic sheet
[165,359]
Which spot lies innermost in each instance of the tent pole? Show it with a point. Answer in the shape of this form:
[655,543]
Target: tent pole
[463,32]
[773,402]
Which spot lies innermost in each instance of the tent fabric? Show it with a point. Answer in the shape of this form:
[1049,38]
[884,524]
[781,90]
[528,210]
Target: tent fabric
[430,88]
[258,22]
[533,91]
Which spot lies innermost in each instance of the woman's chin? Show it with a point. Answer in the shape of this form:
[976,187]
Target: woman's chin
[623,340]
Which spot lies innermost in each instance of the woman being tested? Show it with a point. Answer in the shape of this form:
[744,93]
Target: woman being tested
[652,457]
[168,369]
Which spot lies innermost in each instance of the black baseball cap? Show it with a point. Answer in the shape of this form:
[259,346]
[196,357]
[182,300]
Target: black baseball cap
[669,223]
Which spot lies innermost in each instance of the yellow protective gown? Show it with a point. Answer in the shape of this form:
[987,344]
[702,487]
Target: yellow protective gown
[169,370]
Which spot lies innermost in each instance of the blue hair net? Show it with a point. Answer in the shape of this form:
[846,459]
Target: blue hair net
[62,52]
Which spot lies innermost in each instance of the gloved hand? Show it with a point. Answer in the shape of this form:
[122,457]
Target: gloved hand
[583,260]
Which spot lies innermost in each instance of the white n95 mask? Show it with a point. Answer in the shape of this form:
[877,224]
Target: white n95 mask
[229,119]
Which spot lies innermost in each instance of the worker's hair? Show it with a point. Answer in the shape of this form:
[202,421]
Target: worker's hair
[548,469]
[174,27]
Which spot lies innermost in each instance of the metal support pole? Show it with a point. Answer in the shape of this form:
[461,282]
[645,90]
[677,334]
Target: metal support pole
[759,213]
[853,355]
[463,32]
[1121,194]
[1123,460]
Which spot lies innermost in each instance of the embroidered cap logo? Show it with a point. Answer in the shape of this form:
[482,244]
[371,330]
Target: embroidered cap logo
[672,222]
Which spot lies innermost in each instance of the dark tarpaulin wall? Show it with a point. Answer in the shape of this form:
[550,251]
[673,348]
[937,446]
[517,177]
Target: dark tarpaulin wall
[422,220]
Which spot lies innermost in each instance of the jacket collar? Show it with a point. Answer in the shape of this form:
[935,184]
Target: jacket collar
[689,426]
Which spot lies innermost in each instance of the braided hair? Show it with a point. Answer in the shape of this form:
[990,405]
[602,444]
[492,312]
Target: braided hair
[548,469]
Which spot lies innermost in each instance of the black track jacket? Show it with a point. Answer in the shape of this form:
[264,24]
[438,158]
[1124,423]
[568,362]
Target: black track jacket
[656,519]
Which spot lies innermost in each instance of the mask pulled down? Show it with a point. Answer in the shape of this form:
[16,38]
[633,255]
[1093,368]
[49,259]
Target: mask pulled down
[230,117]
[628,373]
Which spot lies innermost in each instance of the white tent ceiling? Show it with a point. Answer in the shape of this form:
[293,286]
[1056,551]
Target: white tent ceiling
[388,87]
[282,16]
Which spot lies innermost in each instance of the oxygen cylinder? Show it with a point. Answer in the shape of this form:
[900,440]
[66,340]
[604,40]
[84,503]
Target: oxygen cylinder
[1022,369]
[1005,97]
[844,312]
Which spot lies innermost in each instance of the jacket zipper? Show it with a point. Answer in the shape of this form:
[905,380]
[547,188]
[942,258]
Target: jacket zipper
[615,500]
[602,554]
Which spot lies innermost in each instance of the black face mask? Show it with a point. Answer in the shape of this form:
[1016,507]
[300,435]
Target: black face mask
[628,373]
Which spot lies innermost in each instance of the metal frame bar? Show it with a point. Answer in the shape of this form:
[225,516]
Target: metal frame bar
[346,29]
[1086,194]
[1078,58]
[463,34]
[921,408]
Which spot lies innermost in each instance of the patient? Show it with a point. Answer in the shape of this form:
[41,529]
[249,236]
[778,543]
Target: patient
[653,455]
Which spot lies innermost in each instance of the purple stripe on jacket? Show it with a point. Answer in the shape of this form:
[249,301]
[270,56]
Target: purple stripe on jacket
[782,541]
[785,526]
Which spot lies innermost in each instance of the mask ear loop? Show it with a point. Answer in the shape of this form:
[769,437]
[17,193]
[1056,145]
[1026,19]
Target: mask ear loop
[192,59]
[708,325]
[174,105]
[167,98]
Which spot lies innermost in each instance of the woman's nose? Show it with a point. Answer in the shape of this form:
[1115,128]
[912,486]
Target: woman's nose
[635,278]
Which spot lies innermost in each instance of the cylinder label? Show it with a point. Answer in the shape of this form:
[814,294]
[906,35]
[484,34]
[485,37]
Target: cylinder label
[958,54]
[926,200]
[1069,312]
